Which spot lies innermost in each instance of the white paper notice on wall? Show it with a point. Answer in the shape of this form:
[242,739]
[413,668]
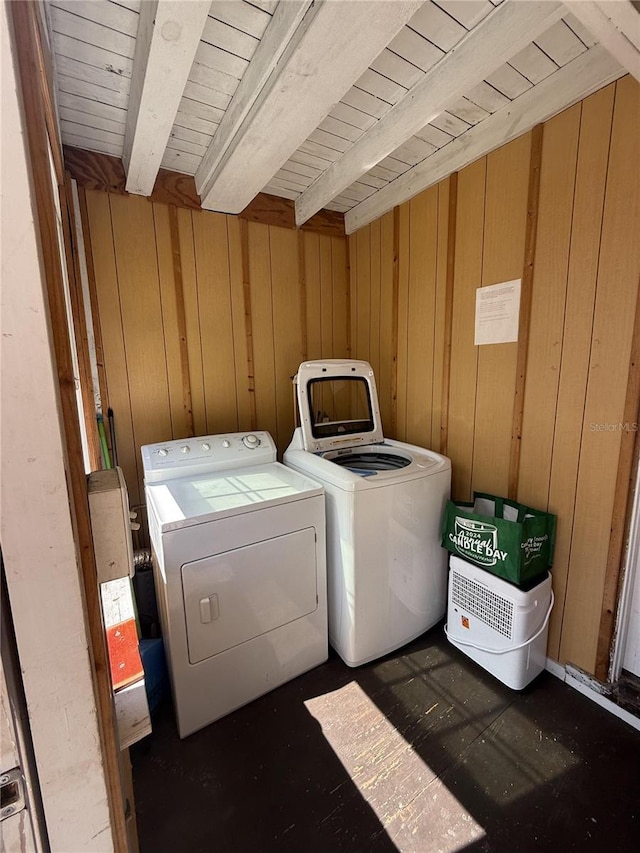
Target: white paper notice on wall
[498,313]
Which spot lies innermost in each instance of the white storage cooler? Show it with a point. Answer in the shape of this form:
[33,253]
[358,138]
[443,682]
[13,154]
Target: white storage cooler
[499,626]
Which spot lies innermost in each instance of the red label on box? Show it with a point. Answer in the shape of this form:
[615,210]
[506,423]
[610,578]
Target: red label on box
[124,657]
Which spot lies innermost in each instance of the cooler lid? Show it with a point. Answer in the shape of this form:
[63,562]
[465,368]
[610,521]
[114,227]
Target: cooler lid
[338,404]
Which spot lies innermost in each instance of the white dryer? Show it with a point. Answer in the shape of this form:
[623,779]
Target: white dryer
[239,557]
[387,573]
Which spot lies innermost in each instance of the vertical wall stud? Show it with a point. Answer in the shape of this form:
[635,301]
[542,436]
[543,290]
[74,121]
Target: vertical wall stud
[302,283]
[394,320]
[525,307]
[352,306]
[182,320]
[248,324]
[448,310]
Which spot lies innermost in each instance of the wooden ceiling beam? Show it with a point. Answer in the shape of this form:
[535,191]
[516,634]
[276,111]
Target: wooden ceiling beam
[169,33]
[579,78]
[334,43]
[616,25]
[284,23]
[506,30]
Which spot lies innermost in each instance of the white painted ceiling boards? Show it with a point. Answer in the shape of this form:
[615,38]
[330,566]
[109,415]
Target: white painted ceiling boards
[350,105]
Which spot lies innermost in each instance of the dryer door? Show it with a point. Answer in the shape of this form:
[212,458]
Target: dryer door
[231,598]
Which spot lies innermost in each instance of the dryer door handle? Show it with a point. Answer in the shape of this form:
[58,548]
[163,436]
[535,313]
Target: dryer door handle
[209,608]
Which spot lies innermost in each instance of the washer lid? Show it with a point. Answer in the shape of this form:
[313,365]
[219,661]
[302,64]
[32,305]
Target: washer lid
[338,404]
[183,502]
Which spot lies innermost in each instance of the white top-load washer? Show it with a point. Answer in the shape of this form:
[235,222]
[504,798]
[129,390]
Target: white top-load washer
[387,573]
[239,560]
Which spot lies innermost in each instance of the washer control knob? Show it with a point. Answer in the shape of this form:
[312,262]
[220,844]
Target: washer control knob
[251,441]
[206,445]
[163,452]
[185,449]
[226,443]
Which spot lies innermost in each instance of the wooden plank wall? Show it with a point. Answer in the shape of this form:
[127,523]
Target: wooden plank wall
[205,318]
[580,382]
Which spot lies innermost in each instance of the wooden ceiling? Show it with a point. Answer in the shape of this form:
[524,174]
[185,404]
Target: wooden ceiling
[349,105]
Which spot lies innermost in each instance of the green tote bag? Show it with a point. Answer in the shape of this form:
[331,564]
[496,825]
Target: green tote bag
[508,539]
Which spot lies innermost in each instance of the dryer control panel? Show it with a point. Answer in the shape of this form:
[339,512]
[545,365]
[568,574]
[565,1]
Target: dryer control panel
[187,456]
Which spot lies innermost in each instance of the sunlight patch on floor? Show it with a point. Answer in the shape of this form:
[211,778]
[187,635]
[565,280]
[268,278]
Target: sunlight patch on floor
[415,808]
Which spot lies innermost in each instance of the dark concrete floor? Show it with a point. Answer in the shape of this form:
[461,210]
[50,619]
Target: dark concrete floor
[419,752]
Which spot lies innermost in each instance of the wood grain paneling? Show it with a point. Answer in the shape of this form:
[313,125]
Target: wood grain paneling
[375,295]
[326,298]
[138,281]
[546,329]
[340,285]
[387,354]
[241,326]
[287,336]
[503,253]
[402,310]
[524,324]
[275,210]
[173,318]
[421,328]
[363,293]
[588,201]
[613,322]
[211,247]
[401,293]
[302,286]
[112,332]
[441,314]
[192,320]
[263,328]
[561,397]
[201,319]
[248,323]
[313,295]
[352,326]
[464,355]
[95,171]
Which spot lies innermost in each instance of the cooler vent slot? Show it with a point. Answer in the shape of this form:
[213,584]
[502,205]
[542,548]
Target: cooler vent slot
[494,610]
